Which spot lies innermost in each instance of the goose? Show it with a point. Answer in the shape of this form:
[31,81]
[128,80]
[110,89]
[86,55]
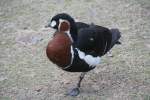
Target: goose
[82,55]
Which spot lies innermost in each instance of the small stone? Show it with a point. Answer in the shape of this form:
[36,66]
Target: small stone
[38,89]
[36,39]
[25,28]
[3,42]
[3,78]
[109,54]
[148,45]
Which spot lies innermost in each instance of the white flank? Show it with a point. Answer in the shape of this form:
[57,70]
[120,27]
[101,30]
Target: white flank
[53,23]
[89,59]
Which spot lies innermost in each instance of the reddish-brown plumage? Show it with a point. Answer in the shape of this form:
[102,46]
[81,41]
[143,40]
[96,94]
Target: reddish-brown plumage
[64,26]
[58,49]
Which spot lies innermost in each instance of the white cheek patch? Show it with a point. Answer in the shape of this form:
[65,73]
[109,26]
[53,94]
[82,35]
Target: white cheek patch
[91,39]
[53,23]
[89,59]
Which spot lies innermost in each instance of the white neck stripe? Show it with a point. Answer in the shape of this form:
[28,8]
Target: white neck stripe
[72,57]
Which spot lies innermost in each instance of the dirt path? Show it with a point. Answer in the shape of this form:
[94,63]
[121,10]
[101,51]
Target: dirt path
[26,73]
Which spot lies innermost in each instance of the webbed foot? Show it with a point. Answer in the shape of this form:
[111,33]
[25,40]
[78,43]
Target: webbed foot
[74,92]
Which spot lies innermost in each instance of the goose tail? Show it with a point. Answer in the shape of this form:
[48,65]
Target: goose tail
[116,35]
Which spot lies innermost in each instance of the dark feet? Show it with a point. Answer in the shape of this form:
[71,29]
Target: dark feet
[74,92]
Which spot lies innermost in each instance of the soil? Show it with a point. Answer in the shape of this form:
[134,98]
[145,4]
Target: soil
[27,74]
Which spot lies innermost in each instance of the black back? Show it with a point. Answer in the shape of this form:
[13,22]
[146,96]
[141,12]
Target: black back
[81,25]
[95,38]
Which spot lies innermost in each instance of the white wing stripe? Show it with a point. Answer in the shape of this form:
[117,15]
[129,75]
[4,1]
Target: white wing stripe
[89,59]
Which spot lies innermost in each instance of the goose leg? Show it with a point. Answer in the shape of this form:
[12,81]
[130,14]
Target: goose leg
[75,91]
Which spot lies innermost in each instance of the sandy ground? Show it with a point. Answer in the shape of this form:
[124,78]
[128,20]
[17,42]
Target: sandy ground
[27,74]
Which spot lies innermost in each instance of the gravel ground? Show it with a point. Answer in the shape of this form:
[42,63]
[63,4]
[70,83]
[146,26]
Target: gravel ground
[27,74]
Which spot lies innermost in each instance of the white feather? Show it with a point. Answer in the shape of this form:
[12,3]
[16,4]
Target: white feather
[53,23]
[89,59]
